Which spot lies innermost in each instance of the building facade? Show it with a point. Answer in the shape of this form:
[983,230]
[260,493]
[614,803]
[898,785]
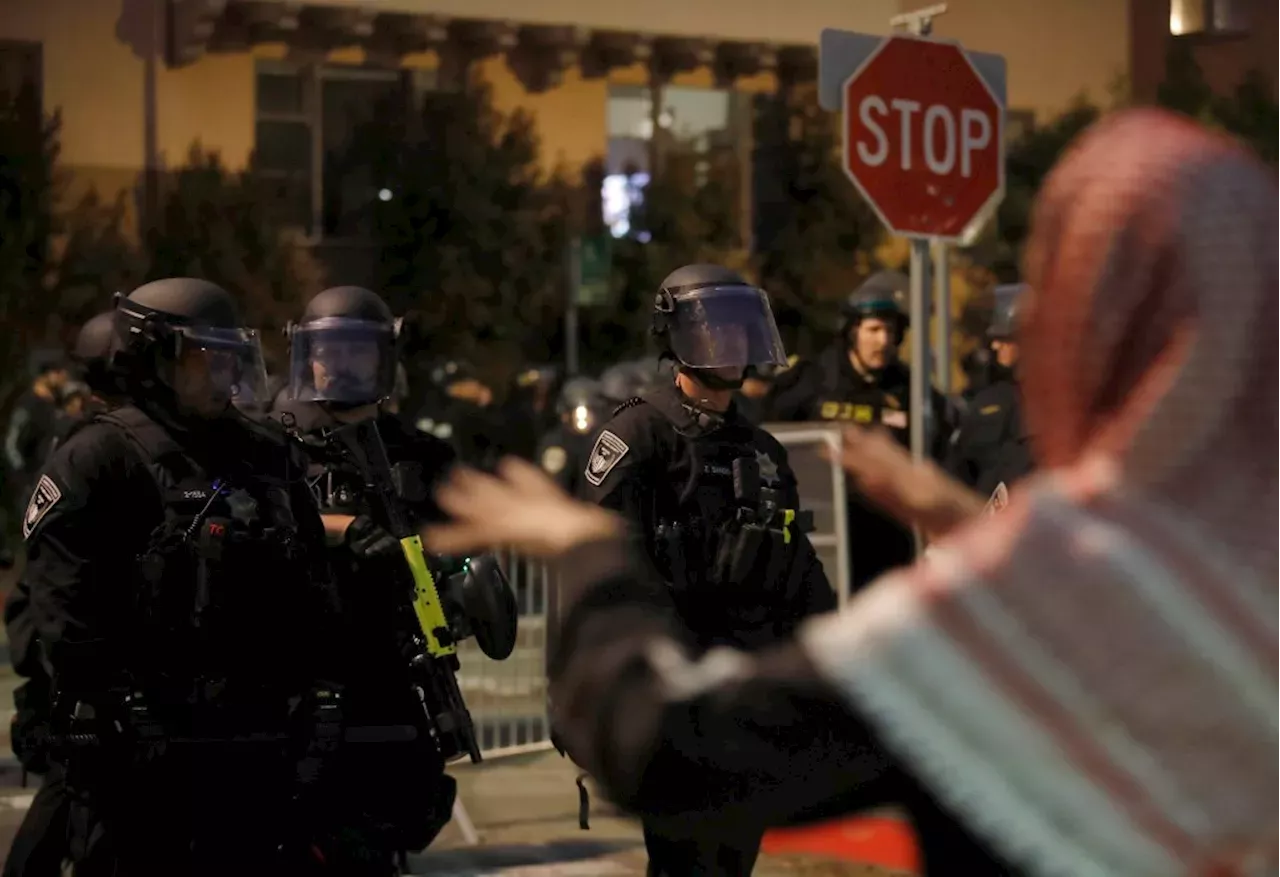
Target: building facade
[138,82]
[1056,50]
[1227,38]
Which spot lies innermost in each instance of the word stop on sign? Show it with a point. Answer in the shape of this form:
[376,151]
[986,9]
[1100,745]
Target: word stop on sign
[943,139]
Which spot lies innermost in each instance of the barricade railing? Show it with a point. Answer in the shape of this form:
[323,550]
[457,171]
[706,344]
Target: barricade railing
[508,699]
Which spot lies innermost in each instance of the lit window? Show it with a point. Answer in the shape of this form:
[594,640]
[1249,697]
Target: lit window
[1207,16]
[306,117]
[692,120]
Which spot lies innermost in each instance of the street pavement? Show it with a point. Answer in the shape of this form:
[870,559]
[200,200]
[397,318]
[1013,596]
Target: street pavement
[524,808]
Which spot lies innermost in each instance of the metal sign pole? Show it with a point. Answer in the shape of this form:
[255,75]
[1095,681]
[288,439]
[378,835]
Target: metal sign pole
[919,345]
[942,313]
[574,270]
[919,356]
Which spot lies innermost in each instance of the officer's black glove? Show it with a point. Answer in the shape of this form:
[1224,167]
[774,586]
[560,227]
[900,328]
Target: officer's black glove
[364,538]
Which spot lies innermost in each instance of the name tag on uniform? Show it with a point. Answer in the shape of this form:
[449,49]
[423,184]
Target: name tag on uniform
[894,419]
[847,411]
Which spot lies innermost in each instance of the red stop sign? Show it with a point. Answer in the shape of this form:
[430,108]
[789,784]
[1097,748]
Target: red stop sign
[923,137]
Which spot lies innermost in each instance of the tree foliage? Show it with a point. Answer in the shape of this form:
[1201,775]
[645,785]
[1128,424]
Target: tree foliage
[809,259]
[1249,112]
[689,212]
[474,236]
[1027,163]
[28,220]
[217,224]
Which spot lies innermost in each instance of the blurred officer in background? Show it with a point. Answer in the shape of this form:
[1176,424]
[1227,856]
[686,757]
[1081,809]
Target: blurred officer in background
[715,503]
[991,450]
[860,379]
[563,450]
[40,844]
[462,412]
[91,357]
[33,423]
[628,379]
[750,400]
[529,410]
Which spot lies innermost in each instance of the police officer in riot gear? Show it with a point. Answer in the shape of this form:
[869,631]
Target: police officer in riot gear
[91,356]
[751,399]
[715,502]
[990,450]
[562,452]
[860,379]
[40,844]
[529,410]
[462,412]
[182,601]
[342,372]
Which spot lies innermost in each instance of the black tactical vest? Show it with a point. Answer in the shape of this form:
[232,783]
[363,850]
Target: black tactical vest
[223,581]
[721,539]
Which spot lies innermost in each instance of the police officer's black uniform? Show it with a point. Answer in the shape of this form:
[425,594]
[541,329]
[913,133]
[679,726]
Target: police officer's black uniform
[33,426]
[990,450]
[342,366]
[182,604]
[40,844]
[715,503]
[475,431]
[529,410]
[829,388]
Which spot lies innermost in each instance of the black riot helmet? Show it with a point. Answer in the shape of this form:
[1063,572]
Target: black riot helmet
[579,404]
[880,295]
[626,380]
[92,354]
[1004,319]
[707,317]
[343,350]
[448,372]
[160,322]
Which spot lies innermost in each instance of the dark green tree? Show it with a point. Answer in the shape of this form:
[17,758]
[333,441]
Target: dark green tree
[1251,114]
[689,211]
[1027,162]
[218,224]
[474,235]
[814,222]
[1184,88]
[29,188]
[97,258]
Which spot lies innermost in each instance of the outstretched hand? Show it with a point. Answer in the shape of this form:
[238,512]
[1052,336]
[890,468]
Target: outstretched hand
[919,494]
[519,508]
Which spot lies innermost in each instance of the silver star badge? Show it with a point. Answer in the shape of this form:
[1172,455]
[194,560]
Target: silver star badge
[768,468]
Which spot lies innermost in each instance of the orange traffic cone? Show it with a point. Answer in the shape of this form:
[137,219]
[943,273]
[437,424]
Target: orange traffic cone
[881,840]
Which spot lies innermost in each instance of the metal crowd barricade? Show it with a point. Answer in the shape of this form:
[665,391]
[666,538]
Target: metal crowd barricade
[822,491]
[508,699]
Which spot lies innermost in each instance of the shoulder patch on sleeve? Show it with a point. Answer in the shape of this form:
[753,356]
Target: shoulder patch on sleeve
[554,459]
[43,498]
[607,452]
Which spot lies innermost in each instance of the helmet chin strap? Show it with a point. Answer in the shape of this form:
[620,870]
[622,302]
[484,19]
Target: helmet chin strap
[713,381]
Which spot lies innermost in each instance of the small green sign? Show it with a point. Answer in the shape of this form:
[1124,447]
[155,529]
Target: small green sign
[595,270]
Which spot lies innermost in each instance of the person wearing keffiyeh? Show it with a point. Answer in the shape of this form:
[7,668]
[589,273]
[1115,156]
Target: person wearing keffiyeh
[1083,684]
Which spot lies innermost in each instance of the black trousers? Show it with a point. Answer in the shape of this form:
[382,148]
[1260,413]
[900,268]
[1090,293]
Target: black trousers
[699,855]
[40,844]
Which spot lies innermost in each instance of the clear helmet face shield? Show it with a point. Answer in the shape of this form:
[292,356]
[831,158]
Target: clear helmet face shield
[342,360]
[724,327]
[227,364]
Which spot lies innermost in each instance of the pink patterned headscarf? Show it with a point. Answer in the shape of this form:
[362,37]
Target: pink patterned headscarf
[1090,677]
